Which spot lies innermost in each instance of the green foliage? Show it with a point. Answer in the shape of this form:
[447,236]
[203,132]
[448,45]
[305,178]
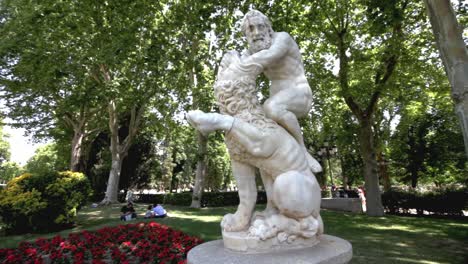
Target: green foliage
[219,172]
[46,160]
[45,65]
[9,170]
[183,199]
[163,56]
[4,145]
[426,145]
[326,193]
[41,202]
[447,201]
[141,165]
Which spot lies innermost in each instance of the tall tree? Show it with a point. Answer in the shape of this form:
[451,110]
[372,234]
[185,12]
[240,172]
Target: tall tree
[43,75]
[201,39]
[131,69]
[354,29]
[454,55]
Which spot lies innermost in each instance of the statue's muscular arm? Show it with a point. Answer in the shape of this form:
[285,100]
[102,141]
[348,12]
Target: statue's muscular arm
[282,43]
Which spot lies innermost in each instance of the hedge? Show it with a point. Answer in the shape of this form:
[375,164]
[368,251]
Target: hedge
[209,199]
[449,202]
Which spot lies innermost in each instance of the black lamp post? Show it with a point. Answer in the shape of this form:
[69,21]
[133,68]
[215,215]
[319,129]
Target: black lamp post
[327,151]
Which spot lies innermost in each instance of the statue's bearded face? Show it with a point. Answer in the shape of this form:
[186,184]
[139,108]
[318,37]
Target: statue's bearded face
[258,34]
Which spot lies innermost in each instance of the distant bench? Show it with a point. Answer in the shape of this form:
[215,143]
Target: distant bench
[342,204]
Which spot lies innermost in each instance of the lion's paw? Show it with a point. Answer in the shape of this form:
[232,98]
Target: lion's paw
[233,223]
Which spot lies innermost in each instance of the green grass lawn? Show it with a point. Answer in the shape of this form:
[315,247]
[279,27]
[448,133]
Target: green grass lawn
[389,239]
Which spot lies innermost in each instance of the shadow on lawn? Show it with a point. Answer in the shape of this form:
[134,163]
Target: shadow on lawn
[400,239]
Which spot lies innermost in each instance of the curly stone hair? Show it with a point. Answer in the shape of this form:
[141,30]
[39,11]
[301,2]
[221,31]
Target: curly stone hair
[237,98]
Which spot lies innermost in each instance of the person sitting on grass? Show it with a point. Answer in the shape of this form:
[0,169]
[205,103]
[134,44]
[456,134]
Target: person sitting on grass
[149,213]
[159,211]
[128,212]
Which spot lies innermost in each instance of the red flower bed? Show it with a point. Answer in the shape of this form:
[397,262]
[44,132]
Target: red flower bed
[133,243]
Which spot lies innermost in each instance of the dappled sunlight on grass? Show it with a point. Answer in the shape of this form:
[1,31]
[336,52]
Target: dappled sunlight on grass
[92,213]
[457,224]
[198,218]
[403,228]
[408,260]
[400,244]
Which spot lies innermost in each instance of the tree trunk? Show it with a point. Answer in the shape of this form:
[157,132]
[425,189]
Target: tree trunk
[366,136]
[201,171]
[114,174]
[371,177]
[112,189]
[322,176]
[78,124]
[345,175]
[119,150]
[414,163]
[453,52]
[76,150]
[387,185]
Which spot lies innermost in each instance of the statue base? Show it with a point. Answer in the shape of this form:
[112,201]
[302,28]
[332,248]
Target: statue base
[242,242]
[328,250]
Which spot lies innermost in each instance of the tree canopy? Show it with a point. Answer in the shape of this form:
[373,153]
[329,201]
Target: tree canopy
[111,81]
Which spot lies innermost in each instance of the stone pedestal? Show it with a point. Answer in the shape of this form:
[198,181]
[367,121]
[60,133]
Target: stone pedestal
[328,250]
[243,243]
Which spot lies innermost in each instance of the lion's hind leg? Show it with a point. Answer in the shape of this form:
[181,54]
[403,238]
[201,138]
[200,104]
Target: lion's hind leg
[268,184]
[296,194]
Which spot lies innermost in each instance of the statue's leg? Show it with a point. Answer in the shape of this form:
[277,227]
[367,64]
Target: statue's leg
[268,184]
[247,188]
[284,107]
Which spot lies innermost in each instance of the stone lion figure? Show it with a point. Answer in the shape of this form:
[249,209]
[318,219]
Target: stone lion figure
[255,141]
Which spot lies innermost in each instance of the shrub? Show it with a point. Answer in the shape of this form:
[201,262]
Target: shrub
[449,202]
[218,199]
[209,199]
[326,194]
[33,202]
[184,199]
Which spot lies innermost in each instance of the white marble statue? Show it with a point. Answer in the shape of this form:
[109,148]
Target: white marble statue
[256,141]
[266,137]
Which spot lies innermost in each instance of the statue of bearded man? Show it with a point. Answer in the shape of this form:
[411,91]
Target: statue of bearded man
[280,57]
